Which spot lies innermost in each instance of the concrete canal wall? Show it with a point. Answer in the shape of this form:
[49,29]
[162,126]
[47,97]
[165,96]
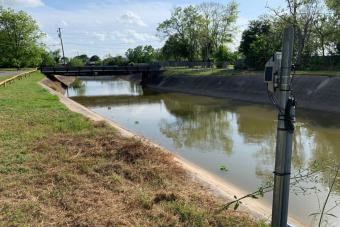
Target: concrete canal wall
[312,92]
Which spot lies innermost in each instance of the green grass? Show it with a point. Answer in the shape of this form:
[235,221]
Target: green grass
[2,78]
[206,72]
[59,168]
[29,113]
[14,69]
[232,72]
[319,73]
[188,213]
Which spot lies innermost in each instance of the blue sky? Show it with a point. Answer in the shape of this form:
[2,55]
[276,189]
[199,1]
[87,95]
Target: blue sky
[112,26]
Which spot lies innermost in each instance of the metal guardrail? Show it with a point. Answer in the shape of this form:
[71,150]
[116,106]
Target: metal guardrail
[19,76]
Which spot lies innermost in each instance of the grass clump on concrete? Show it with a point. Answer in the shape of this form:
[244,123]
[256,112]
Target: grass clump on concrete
[59,168]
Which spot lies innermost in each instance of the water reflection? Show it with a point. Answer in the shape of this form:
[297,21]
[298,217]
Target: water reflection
[211,132]
[196,125]
[104,88]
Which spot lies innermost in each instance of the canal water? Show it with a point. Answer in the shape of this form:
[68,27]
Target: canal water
[235,136]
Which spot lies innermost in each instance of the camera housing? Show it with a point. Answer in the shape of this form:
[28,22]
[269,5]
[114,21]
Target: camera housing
[272,71]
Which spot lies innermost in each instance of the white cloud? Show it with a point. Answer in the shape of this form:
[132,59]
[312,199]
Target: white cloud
[132,19]
[51,42]
[123,36]
[64,23]
[132,36]
[102,29]
[22,3]
[140,36]
[99,35]
[99,22]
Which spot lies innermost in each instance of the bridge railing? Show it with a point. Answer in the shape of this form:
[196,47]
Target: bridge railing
[137,68]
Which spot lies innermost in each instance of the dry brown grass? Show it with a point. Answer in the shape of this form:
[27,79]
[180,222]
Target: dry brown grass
[102,179]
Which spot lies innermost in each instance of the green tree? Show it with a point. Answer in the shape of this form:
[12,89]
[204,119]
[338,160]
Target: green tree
[175,49]
[302,14]
[48,59]
[56,55]
[259,41]
[335,6]
[184,25]
[196,32]
[141,54]
[76,62]
[84,58]
[95,58]
[218,29]
[224,54]
[118,60]
[325,34]
[19,39]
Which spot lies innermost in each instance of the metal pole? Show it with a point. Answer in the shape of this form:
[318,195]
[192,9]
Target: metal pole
[284,137]
[62,45]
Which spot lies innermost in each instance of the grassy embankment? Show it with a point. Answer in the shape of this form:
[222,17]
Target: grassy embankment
[318,73]
[14,69]
[59,168]
[2,78]
[232,72]
[206,72]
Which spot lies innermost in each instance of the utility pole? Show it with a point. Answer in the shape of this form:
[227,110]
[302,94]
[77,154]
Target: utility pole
[285,130]
[62,45]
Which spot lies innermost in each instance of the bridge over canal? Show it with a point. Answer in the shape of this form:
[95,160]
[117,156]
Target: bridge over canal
[146,71]
[100,70]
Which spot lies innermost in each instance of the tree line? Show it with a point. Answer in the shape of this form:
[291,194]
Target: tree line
[317,34]
[201,32]
[140,54]
[198,32]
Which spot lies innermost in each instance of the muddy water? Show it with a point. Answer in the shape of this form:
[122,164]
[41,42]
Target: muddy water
[238,136]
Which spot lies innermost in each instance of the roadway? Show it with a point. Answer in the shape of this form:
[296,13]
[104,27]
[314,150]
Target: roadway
[11,73]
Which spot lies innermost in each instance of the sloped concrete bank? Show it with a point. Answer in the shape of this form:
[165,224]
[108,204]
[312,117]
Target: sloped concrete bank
[312,92]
